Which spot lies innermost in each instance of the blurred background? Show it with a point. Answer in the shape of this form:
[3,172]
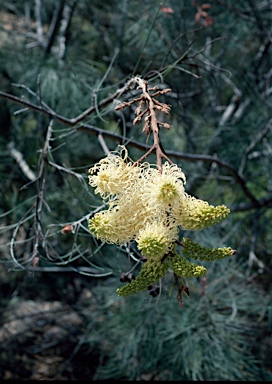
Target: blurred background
[64,66]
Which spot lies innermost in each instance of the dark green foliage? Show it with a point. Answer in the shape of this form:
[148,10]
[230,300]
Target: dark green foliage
[211,338]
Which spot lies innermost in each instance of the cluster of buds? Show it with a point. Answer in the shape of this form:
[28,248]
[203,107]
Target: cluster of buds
[147,204]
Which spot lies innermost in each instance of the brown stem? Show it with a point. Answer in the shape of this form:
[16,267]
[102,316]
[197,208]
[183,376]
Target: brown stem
[153,124]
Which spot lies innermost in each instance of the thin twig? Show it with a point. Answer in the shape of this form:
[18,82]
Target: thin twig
[21,162]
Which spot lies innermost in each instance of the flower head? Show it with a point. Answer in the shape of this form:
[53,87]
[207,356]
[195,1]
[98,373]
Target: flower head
[184,267]
[198,252]
[150,273]
[123,220]
[113,174]
[156,239]
[164,190]
[103,227]
[196,214]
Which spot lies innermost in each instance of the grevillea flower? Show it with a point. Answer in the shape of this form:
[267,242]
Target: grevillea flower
[123,220]
[103,226]
[185,268]
[150,208]
[156,239]
[113,174]
[199,252]
[150,273]
[163,190]
[196,214]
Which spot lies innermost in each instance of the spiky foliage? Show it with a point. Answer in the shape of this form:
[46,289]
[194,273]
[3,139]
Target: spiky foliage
[211,339]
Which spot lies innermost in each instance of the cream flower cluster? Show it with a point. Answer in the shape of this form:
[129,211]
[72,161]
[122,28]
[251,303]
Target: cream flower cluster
[139,200]
[147,206]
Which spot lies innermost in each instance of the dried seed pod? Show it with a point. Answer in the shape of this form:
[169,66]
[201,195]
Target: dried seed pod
[123,278]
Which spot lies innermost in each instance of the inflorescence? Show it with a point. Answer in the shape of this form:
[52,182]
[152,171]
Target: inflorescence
[147,203]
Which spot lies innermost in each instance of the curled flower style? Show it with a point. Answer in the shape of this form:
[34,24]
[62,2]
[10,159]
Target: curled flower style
[196,214]
[123,220]
[131,214]
[156,239]
[164,190]
[107,227]
[103,226]
[113,174]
